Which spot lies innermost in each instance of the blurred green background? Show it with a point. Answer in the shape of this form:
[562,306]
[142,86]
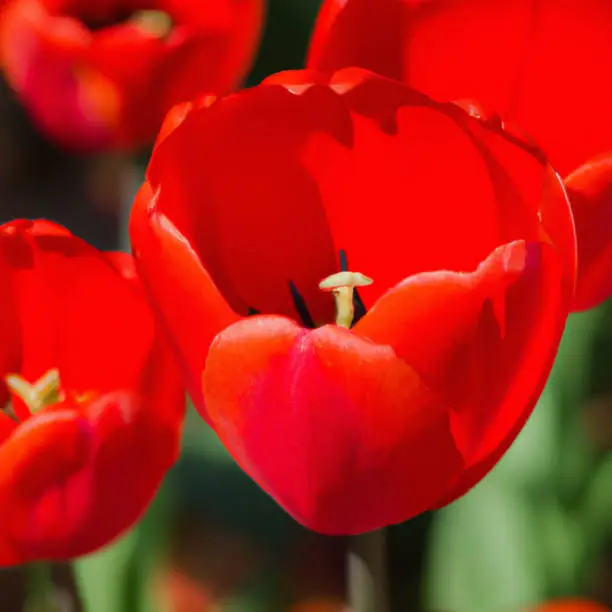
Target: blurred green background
[538,527]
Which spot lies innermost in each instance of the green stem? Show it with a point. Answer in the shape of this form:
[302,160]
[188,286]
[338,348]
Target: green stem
[41,589]
[367,572]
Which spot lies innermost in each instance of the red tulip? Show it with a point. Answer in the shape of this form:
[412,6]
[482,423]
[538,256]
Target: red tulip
[94,408]
[539,65]
[570,605]
[97,75]
[251,200]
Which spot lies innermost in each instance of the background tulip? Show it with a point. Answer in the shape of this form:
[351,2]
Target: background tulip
[570,605]
[466,232]
[79,468]
[537,65]
[99,75]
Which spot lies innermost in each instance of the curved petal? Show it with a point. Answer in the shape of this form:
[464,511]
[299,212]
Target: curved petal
[309,162]
[365,33]
[536,307]
[76,309]
[427,175]
[76,481]
[124,264]
[10,326]
[236,189]
[182,293]
[511,55]
[134,450]
[178,113]
[38,457]
[590,192]
[484,341]
[342,433]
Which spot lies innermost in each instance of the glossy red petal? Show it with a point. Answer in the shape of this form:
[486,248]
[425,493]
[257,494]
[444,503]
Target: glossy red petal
[399,175]
[10,328]
[74,481]
[134,449]
[338,430]
[322,153]
[484,342]
[366,33]
[190,307]
[535,312]
[40,455]
[590,192]
[510,55]
[76,309]
[179,112]
[237,190]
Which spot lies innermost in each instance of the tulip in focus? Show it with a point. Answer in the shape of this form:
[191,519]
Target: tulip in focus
[366,289]
[540,66]
[92,401]
[100,75]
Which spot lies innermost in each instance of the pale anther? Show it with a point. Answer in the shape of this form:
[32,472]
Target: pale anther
[342,286]
[44,392]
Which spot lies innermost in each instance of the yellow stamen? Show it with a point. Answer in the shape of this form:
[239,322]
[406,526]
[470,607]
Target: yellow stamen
[156,23]
[342,286]
[36,396]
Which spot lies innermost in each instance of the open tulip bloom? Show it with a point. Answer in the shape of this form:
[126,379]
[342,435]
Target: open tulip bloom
[99,74]
[93,404]
[537,65]
[366,289]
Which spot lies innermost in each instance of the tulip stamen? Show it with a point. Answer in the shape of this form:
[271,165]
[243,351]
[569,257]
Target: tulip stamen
[156,23]
[38,395]
[342,286]
[300,306]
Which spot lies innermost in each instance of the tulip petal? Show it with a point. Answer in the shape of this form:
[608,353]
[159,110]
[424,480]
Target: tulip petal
[338,430]
[590,192]
[254,235]
[365,33]
[511,55]
[399,176]
[484,341]
[133,441]
[10,328]
[89,311]
[191,308]
[39,457]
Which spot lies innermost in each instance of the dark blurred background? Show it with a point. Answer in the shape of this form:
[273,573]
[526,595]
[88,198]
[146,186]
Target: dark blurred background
[540,526]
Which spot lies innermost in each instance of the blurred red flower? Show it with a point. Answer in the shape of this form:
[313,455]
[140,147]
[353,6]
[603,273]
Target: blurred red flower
[570,605]
[93,401]
[539,65]
[102,74]
[252,199]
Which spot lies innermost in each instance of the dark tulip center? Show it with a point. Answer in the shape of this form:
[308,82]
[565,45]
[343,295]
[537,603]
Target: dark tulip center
[152,21]
[343,286]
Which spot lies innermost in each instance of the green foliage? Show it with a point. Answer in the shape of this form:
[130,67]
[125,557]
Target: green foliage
[533,528]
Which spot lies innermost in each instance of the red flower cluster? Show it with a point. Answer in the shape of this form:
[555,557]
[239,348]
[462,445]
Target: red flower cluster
[85,437]
[433,368]
[365,286]
[537,65]
[100,74]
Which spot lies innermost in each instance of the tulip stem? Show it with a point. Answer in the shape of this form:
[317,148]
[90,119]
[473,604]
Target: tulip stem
[41,589]
[367,572]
